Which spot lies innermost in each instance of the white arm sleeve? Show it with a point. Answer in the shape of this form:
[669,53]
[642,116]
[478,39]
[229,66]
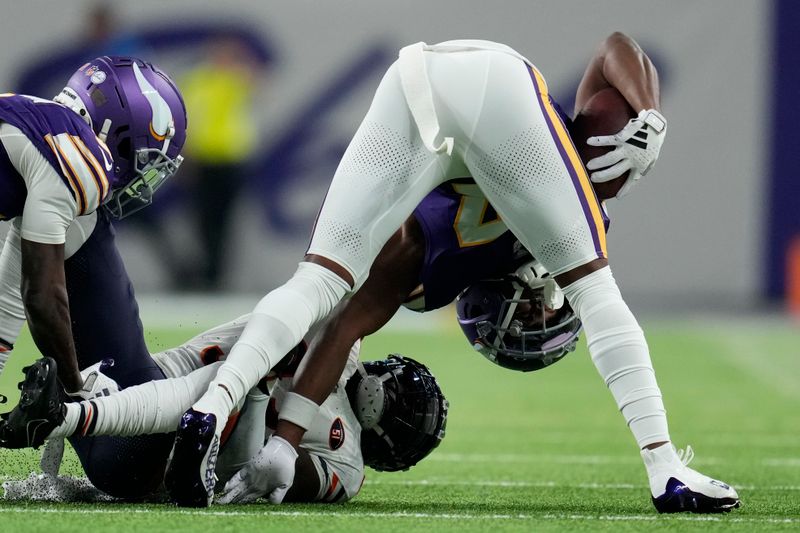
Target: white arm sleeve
[620,354]
[12,311]
[49,206]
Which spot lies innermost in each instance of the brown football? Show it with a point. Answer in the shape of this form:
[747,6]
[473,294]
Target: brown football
[606,113]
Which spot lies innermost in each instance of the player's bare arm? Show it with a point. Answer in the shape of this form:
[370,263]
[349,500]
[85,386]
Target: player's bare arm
[392,278]
[44,293]
[621,63]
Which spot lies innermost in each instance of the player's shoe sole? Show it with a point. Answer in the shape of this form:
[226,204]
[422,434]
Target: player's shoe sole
[39,410]
[190,477]
[678,498]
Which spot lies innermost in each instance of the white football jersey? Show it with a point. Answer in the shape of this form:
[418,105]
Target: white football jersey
[334,435]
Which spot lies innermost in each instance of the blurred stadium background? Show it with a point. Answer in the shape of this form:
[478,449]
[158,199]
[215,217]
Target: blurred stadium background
[707,250]
[709,229]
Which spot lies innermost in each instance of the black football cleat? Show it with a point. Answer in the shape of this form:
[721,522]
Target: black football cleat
[39,410]
[190,477]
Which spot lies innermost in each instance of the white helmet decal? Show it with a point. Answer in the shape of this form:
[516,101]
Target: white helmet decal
[69,98]
[161,124]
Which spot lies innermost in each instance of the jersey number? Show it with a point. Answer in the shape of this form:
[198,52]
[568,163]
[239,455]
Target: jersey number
[470,225]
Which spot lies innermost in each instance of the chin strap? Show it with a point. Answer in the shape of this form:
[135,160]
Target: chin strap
[535,276]
[509,316]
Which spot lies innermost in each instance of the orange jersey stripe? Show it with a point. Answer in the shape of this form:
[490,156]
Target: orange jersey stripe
[99,176]
[74,176]
[334,484]
[80,199]
[87,422]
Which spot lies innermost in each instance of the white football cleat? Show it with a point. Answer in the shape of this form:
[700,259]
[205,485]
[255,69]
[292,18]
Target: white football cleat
[676,488]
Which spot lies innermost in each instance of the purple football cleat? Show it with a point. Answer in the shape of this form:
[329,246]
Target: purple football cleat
[676,488]
[679,498]
[190,476]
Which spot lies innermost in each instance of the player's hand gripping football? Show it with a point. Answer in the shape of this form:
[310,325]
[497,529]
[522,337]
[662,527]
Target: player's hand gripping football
[270,473]
[637,147]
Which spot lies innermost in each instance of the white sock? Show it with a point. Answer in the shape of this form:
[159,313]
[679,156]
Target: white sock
[620,354]
[278,323]
[247,437]
[204,349]
[70,423]
[152,407]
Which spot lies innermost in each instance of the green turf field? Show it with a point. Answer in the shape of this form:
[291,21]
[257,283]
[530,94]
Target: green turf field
[533,452]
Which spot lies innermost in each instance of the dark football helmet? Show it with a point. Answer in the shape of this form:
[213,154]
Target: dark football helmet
[401,409]
[511,325]
[138,112]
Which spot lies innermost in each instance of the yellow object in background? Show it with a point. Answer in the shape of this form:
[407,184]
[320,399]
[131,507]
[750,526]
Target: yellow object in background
[219,99]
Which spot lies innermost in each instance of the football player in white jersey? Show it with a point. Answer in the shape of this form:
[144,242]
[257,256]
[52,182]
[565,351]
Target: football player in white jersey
[479,109]
[386,414]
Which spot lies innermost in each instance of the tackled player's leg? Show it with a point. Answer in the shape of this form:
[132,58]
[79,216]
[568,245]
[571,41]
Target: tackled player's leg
[105,323]
[384,174]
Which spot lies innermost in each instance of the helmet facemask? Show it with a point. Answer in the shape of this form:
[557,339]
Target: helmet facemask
[513,325]
[151,168]
[528,329]
[401,410]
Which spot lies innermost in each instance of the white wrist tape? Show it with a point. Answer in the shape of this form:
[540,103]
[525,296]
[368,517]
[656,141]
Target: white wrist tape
[298,410]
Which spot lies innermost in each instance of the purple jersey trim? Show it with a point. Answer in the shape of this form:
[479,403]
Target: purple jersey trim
[567,164]
[12,188]
[448,269]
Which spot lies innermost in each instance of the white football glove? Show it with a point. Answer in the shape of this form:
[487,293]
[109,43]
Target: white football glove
[535,276]
[637,148]
[95,383]
[270,473]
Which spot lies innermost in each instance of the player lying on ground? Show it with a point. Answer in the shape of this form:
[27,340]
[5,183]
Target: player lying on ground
[386,414]
[478,109]
[113,135]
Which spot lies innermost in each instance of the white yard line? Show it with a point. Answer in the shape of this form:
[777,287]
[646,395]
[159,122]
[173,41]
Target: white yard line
[781,462]
[548,484]
[524,484]
[327,514]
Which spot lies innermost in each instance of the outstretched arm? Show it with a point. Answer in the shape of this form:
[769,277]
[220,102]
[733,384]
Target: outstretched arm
[44,292]
[621,63]
[392,278]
